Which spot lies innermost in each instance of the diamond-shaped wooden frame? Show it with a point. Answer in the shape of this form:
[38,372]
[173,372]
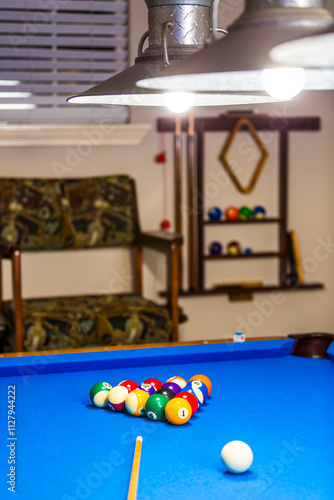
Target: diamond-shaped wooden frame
[244,122]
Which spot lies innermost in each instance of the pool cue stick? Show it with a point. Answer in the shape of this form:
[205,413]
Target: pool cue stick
[192,281]
[178,186]
[132,493]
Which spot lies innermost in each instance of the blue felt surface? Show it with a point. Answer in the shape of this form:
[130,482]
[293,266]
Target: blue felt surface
[41,364]
[330,351]
[281,406]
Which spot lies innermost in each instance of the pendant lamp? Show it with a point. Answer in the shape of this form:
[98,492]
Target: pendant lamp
[236,62]
[176,30]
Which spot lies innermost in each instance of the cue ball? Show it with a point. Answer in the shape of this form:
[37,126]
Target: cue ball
[237,456]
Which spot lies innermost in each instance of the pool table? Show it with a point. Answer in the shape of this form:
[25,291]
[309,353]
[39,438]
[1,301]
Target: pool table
[58,446]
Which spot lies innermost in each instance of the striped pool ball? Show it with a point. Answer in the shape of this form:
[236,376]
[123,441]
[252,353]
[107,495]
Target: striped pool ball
[199,390]
[178,380]
[149,388]
[99,394]
[136,401]
[116,398]
[204,379]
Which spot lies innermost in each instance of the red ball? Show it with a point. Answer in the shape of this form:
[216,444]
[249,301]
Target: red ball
[117,397]
[129,384]
[191,398]
[231,213]
[153,381]
[165,224]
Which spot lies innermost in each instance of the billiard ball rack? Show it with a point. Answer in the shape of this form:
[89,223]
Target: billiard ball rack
[283,126]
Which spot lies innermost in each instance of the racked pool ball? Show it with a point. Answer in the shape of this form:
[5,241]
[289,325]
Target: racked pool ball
[155,406]
[178,380]
[116,398]
[237,456]
[178,411]
[99,394]
[149,388]
[198,389]
[153,381]
[136,401]
[166,392]
[129,384]
[204,379]
[172,386]
[192,400]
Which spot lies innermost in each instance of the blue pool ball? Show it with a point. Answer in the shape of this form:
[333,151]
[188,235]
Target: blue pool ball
[215,248]
[214,213]
[248,251]
[259,212]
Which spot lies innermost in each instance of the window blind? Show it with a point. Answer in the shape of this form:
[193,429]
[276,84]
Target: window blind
[52,49]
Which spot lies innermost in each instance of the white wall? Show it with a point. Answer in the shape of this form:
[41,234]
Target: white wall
[311,208]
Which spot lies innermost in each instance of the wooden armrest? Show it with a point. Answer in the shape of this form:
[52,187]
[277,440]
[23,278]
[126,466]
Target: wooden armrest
[159,240]
[6,249]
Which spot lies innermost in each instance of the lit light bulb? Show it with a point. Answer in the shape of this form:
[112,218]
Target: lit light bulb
[179,102]
[283,83]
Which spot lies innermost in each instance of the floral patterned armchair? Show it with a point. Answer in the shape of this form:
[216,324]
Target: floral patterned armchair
[57,214]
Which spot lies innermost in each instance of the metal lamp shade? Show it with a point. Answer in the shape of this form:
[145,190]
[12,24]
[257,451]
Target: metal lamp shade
[191,30]
[236,61]
[316,51]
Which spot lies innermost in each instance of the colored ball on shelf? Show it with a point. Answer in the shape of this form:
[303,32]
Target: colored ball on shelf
[166,392]
[248,251]
[233,248]
[259,212]
[215,248]
[155,406]
[245,213]
[153,381]
[237,456]
[178,380]
[129,384]
[192,400]
[136,401]
[178,411]
[231,213]
[165,224]
[116,398]
[215,213]
[204,379]
[149,388]
[172,386]
[99,394]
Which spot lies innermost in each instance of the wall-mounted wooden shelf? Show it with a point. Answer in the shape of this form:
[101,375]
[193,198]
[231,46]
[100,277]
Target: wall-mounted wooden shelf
[267,220]
[283,126]
[243,290]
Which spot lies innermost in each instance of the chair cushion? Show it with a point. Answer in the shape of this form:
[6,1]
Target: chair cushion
[91,320]
[50,214]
